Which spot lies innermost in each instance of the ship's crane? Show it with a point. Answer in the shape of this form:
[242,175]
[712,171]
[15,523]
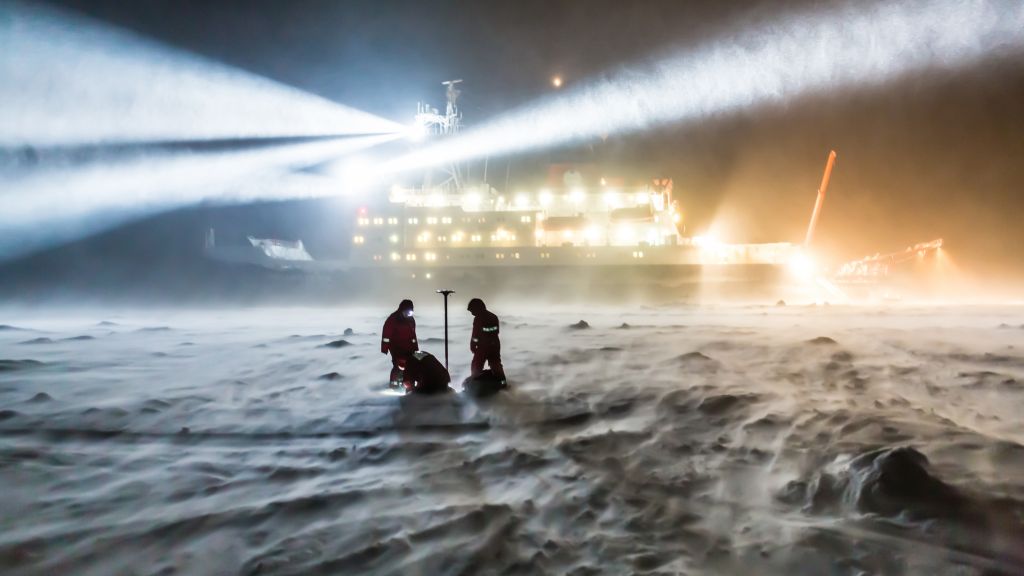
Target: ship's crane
[821,198]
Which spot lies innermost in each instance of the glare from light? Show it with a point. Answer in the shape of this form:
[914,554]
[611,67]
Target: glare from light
[545,197]
[68,80]
[556,81]
[626,234]
[472,200]
[54,203]
[116,123]
[802,266]
[577,195]
[707,240]
[611,199]
[353,174]
[522,200]
[816,51]
[417,132]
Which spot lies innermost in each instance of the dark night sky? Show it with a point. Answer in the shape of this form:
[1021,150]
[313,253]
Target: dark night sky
[935,154]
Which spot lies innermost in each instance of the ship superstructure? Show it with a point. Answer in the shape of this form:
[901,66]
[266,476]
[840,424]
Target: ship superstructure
[573,222]
[571,225]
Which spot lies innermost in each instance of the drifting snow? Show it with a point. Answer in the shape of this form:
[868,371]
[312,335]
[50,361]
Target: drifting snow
[733,440]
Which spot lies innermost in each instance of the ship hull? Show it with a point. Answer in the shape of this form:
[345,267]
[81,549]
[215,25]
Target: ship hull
[642,283]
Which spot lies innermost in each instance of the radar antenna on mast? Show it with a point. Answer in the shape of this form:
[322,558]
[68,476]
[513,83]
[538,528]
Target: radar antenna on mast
[453,95]
[431,122]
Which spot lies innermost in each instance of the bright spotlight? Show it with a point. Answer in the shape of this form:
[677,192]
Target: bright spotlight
[417,132]
[522,200]
[708,240]
[577,195]
[819,50]
[802,266]
[120,123]
[556,81]
[545,197]
[71,80]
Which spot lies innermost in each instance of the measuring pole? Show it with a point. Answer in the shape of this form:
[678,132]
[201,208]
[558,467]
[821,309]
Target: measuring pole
[445,293]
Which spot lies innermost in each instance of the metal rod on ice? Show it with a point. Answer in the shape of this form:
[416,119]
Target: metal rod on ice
[445,293]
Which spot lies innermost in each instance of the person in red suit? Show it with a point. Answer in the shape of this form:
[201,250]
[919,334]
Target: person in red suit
[484,342]
[399,338]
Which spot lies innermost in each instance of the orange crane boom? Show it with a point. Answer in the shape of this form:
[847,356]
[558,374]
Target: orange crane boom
[821,198]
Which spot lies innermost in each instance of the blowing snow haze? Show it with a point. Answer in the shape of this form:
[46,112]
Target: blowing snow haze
[537,287]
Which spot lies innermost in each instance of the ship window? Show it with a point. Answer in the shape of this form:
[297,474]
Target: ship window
[363,221]
[378,221]
[414,220]
[431,220]
[392,220]
[525,219]
[475,238]
[376,257]
[396,256]
[357,239]
[516,255]
[410,257]
[446,220]
[393,238]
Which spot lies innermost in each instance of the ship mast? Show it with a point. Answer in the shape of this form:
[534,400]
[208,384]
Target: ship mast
[432,122]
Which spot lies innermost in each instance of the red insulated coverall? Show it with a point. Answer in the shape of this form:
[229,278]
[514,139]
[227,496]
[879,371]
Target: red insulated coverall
[399,338]
[485,345]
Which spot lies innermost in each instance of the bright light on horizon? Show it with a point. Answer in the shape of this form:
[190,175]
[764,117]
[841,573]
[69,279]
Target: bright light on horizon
[802,266]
